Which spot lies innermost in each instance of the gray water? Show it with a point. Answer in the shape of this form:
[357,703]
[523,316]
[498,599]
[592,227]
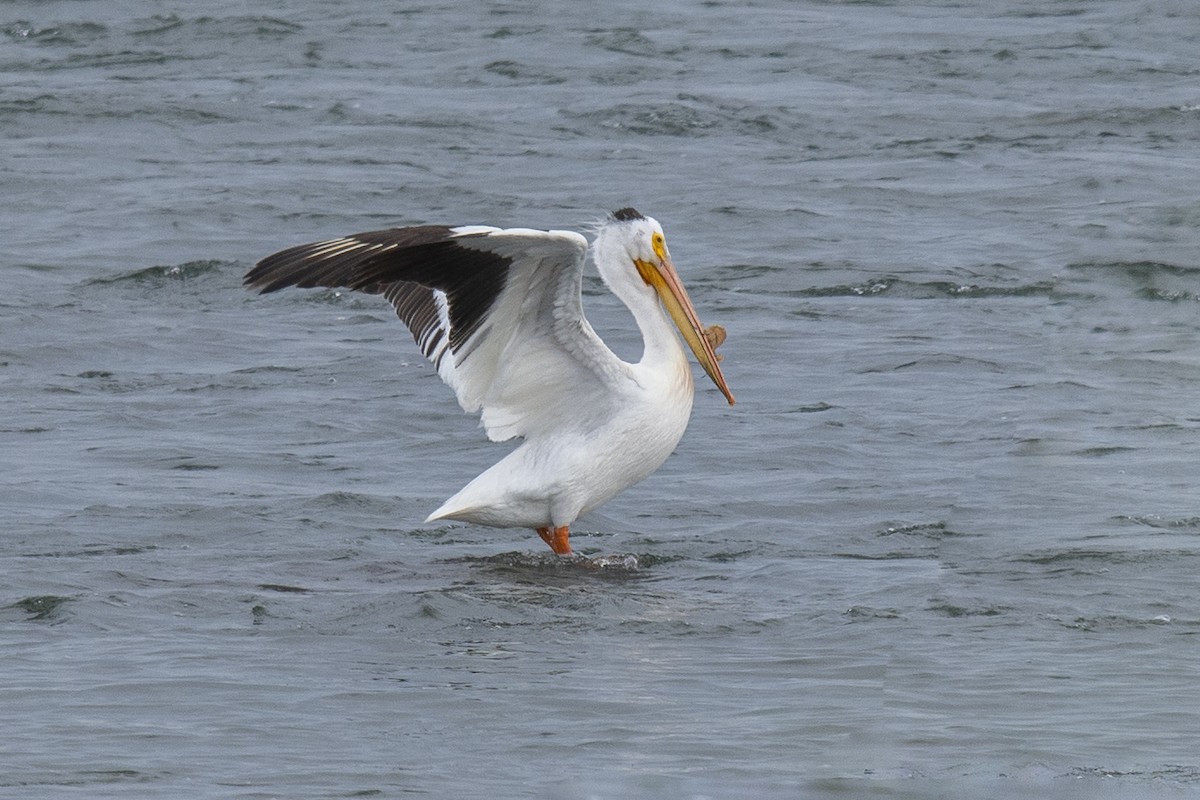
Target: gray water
[945,545]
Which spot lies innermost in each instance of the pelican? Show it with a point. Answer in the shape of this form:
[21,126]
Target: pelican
[499,313]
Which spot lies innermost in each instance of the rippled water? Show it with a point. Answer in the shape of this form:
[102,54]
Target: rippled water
[946,544]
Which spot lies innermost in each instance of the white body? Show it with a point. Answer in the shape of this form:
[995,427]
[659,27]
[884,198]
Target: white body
[576,465]
[601,424]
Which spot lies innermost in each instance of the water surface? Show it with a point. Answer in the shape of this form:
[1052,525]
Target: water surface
[945,545]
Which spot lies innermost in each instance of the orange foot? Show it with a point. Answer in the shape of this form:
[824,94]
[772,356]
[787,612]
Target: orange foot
[557,538]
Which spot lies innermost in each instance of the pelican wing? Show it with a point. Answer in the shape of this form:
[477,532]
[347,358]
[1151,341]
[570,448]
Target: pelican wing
[496,311]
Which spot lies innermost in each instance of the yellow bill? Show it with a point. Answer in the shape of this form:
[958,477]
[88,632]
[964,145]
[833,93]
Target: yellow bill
[675,300]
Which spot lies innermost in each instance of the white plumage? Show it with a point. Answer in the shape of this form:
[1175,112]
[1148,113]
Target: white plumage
[499,312]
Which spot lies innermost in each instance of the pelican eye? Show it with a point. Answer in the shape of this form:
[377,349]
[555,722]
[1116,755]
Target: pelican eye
[660,245]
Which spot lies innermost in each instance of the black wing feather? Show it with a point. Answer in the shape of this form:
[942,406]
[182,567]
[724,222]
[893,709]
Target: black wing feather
[416,305]
[403,264]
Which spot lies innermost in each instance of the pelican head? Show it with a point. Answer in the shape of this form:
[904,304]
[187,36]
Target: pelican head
[630,242]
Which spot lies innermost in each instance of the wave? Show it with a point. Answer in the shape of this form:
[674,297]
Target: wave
[687,116]
[927,290]
[168,274]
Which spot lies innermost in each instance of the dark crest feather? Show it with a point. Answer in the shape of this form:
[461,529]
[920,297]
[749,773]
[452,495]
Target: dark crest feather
[627,214]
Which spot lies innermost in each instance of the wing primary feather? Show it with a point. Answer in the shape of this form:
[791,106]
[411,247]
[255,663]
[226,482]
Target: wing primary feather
[382,262]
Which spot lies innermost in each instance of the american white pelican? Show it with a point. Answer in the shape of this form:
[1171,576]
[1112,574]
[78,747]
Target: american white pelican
[498,312]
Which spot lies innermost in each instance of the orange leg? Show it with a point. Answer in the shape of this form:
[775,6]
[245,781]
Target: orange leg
[557,538]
